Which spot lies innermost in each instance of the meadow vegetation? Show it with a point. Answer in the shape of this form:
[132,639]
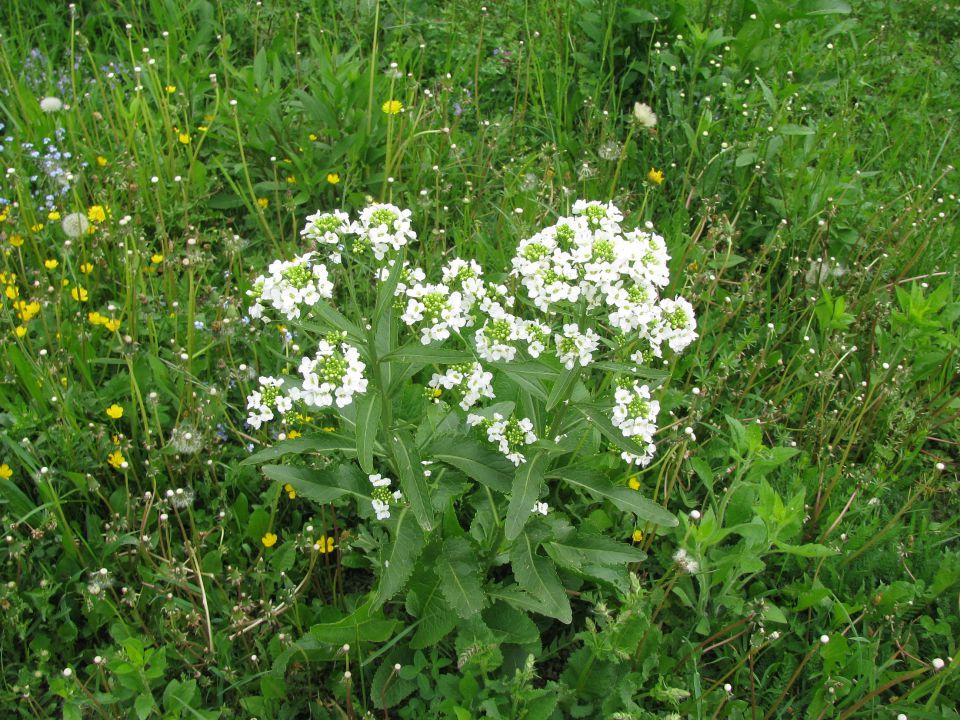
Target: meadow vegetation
[334,385]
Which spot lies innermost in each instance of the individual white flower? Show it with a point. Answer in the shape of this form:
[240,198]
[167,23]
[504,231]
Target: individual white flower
[75,225]
[51,104]
[643,115]
[540,507]
[575,347]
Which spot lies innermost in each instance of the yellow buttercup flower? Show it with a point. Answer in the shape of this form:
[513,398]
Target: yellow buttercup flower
[312,137]
[15,240]
[156,258]
[53,215]
[655,176]
[293,434]
[11,291]
[333,178]
[112,325]
[392,107]
[115,411]
[101,161]
[637,535]
[263,202]
[634,483]
[116,459]
[79,294]
[5,472]
[96,318]
[37,227]
[20,331]
[291,180]
[269,540]
[324,544]
[171,89]
[97,213]
[50,264]
[86,268]
[291,493]
[26,310]
[184,138]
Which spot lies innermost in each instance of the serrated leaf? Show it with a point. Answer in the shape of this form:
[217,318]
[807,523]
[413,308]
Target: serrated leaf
[459,573]
[319,442]
[538,576]
[318,485]
[398,561]
[589,549]
[477,462]
[622,497]
[425,602]
[412,480]
[362,625]
[367,424]
[524,493]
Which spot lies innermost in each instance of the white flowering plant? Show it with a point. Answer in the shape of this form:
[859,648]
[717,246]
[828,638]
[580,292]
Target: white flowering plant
[494,399]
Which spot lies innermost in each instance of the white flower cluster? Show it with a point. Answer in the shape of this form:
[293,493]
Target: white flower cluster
[290,285]
[262,402]
[332,376]
[635,415]
[382,496]
[328,228]
[510,435]
[576,347]
[470,381]
[382,227]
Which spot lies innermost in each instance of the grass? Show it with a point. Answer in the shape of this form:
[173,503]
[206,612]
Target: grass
[809,208]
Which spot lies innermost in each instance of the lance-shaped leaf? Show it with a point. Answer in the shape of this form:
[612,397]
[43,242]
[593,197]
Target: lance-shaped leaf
[524,493]
[427,355]
[623,498]
[318,442]
[321,486]
[538,576]
[602,423]
[563,386]
[398,561]
[362,625]
[480,463]
[412,481]
[459,572]
[367,424]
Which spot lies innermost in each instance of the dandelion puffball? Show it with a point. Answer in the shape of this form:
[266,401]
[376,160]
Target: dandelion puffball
[644,115]
[51,104]
[75,224]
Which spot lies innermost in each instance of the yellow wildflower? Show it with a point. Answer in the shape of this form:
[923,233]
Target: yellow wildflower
[171,89]
[96,318]
[26,310]
[5,472]
[392,107]
[36,227]
[116,459]
[655,176]
[291,179]
[97,213]
[634,483]
[50,264]
[15,240]
[333,178]
[269,540]
[53,215]
[20,331]
[329,429]
[86,268]
[312,137]
[324,544]
[184,138]
[11,291]
[156,258]
[202,128]
[112,324]
[637,535]
[101,161]
[79,294]
[64,282]
[115,411]
[291,493]
[293,434]
[263,202]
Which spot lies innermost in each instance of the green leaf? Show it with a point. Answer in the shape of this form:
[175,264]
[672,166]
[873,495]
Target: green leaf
[427,355]
[589,549]
[143,705]
[622,497]
[412,481]
[324,442]
[317,485]
[459,573]
[362,625]
[398,561]
[524,493]
[367,423]
[563,386]
[477,462]
[810,550]
[425,602]
[602,423]
[538,576]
